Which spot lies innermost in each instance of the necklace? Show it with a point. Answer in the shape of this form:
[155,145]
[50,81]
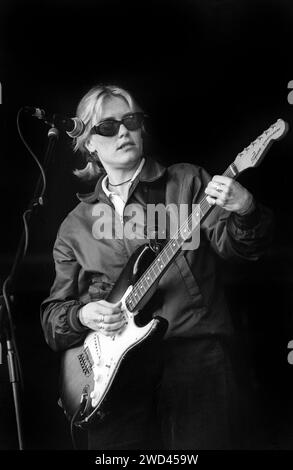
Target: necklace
[120,184]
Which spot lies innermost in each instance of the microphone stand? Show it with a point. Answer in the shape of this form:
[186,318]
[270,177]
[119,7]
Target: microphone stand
[6,321]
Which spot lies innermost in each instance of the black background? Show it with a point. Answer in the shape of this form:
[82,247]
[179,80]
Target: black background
[212,75]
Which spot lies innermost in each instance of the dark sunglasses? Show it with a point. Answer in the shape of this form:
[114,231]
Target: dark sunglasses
[110,127]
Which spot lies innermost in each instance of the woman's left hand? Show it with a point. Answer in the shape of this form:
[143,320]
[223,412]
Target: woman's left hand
[229,194]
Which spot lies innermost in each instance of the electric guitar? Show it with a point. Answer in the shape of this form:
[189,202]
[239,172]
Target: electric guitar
[89,370]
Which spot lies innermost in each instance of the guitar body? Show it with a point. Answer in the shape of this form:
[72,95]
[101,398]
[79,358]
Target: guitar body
[88,371]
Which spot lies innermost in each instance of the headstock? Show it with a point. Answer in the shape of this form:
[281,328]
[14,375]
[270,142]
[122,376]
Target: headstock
[253,154]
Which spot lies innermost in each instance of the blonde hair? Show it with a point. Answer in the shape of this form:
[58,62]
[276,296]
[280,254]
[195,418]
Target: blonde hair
[89,108]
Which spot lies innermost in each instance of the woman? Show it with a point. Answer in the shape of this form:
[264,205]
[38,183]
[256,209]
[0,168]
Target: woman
[176,394]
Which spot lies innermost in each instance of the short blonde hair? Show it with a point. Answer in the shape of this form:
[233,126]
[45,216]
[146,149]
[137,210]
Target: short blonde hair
[89,107]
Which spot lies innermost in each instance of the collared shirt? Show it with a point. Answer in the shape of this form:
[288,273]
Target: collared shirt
[117,200]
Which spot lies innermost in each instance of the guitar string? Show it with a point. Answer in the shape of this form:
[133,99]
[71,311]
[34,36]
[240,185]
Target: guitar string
[151,271]
[231,171]
[136,291]
[205,206]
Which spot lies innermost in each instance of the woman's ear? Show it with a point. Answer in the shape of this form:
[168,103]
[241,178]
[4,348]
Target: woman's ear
[89,145]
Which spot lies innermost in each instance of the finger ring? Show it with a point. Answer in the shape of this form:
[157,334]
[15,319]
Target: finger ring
[100,319]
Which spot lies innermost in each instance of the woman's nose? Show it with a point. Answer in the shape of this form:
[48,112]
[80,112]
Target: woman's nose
[122,129]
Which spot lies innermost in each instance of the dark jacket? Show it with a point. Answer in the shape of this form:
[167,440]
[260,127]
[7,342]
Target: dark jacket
[191,295]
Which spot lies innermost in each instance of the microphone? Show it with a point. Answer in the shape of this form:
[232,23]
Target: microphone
[74,127]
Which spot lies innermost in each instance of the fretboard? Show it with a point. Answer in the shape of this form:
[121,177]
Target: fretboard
[172,248]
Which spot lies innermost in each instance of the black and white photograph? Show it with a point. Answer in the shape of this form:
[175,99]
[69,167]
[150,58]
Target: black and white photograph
[146,256]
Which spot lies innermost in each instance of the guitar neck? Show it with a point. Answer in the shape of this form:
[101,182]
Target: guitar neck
[251,156]
[172,248]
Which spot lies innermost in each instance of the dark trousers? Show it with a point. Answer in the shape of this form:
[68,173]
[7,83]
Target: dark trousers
[178,394]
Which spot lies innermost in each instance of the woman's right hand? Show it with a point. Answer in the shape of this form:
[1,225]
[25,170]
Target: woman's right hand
[104,317]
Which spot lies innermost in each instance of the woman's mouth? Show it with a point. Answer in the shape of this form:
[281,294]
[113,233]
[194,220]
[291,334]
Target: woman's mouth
[125,145]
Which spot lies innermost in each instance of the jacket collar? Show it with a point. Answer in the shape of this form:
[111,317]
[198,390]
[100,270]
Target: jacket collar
[151,171]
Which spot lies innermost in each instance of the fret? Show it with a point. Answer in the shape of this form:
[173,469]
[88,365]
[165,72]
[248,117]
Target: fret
[205,208]
[141,288]
[164,256]
[167,252]
[186,232]
[136,297]
[151,272]
[148,278]
[130,302]
[229,173]
[155,268]
[137,294]
[159,263]
[195,217]
[193,221]
[174,245]
[234,170]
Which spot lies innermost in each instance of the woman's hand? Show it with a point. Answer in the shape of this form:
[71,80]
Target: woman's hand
[229,194]
[103,316]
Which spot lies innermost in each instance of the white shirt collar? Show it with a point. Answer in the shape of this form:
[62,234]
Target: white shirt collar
[106,179]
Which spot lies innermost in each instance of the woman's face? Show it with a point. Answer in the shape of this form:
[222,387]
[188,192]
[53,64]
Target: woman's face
[123,150]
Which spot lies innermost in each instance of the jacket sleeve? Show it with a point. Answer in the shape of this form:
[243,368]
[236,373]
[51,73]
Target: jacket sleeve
[244,237]
[59,312]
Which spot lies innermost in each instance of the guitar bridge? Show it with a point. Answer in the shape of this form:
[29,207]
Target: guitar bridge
[85,361]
